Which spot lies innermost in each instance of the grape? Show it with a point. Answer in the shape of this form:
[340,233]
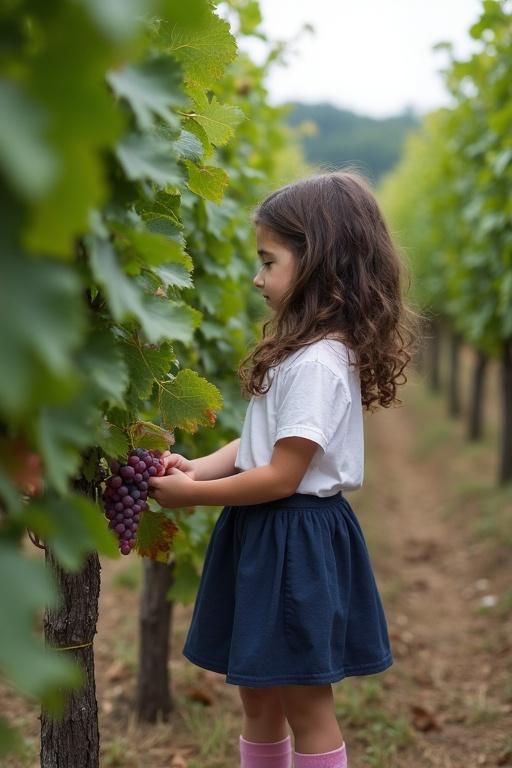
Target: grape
[127,472]
[126,492]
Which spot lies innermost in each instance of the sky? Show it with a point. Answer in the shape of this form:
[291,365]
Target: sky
[374,57]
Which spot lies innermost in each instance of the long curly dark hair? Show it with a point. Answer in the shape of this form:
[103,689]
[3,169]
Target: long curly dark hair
[347,284]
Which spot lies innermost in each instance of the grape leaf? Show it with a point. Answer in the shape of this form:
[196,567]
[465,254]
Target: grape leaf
[189,401]
[153,248]
[102,361]
[147,366]
[45,334]
[204,52]
[23,658]
[62,432]
[218,120]
[145,156]
[151,88]
[144,434]
[207,181]
[155,535]
[27,160]
[112,440]
[73,526]
[160,319]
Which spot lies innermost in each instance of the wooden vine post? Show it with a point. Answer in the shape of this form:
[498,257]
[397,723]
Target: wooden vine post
[154,700]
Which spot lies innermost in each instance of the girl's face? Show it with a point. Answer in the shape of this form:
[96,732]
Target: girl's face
[277,266]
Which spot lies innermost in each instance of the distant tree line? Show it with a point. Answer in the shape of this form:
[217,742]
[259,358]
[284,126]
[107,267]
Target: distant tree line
[341,136]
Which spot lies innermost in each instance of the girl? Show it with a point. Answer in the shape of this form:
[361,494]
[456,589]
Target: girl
[287,603]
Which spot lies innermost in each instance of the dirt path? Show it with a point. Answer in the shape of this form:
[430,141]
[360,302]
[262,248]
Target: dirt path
[447,700]
[451,676]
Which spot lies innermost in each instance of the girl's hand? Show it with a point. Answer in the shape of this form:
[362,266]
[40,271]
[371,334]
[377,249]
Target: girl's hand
[176,489]
[178,461]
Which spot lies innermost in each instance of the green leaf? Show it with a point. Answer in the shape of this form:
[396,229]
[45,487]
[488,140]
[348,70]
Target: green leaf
[189,147]
[250,16]
[153,249]
[120,19]
[199,132]
[149,157]
[189,401]
[27,160]
[62,433]
[102,361]
[151,88]
[185,582]
[175,275]
[160,319]
[204,52]
[112,440]
[207,181]
[169,320]
[147,366]
[23,658]
[83,120]
[43,336]
[74,527]
[503,161]
[155,535]
[144,434]
[218,120]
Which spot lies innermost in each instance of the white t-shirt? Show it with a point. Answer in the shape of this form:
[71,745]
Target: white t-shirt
[314,394]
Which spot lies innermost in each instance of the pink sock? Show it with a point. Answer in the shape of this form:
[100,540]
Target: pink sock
[276,754]
[335,759]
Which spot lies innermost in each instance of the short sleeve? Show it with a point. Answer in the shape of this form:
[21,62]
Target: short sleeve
[312,403]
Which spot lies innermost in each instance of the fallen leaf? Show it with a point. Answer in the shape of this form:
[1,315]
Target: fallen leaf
[424,718]
[201,695]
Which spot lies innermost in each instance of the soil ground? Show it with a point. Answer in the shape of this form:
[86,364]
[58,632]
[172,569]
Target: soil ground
[439,531]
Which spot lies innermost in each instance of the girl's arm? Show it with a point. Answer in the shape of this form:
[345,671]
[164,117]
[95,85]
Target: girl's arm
[219,464]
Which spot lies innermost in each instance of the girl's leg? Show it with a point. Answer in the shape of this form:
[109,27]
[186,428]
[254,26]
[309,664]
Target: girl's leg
[264,717]
[310,711]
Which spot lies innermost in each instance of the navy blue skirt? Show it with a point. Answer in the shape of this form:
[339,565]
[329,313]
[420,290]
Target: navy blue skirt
[288,596]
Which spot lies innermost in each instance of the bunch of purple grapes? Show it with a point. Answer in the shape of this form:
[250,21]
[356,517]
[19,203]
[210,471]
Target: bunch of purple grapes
[126,493]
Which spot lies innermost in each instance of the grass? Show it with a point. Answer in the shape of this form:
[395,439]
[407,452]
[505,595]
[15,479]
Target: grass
[210,730]
[130,577]
[361,704]
[491,517]
[25,755]
[481,710]
[116,754]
